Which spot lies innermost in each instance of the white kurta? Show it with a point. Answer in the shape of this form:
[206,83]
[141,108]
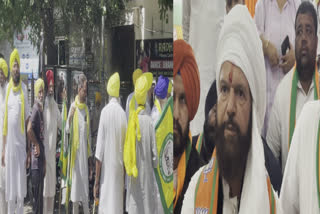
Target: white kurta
[80,177]
[2,110]
[110,142]
[278,131]
[202,33]
[254,195]
[52,121]
[299,184]
[142,190]
[15,155]
[155,115]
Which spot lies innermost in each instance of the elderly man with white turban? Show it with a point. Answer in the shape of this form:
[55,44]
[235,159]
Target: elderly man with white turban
[140,153]
[36,137]
[52,122]
[3,85]
[14,155]
[109,152]
[235,180]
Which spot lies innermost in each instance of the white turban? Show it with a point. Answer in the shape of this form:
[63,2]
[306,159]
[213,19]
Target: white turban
[240,44]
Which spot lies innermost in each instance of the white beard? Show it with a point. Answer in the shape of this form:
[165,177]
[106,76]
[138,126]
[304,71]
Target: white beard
[50,102]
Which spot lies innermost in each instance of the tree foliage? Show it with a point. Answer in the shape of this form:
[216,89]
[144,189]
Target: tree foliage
[49,16]
[44,15]
[165,6]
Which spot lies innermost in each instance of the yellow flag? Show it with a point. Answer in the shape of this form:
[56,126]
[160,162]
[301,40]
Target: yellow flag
[164,171]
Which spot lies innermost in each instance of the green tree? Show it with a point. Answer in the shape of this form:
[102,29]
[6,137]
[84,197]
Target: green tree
[42,16]
[165,6]
[45,15]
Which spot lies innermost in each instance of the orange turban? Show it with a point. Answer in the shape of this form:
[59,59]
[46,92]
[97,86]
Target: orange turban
[185,64]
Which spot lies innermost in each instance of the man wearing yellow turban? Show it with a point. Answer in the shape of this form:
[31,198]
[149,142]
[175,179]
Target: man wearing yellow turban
[35,132]
[52,122]
[149,98]
[140,154]
[109,182]
[135,75]
[3,86]
[78,125]
[14,137]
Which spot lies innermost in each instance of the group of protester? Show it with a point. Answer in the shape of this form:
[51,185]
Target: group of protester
[259,148]
[124,143]
[18,124]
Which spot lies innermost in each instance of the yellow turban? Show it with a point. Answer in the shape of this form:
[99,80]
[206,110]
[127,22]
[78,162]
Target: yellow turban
[14,57]
[141,90]
[142,86]
[114,85]
[4,67]
[149,77]
[136,74]
[97,97]
[37,86]
[170,87]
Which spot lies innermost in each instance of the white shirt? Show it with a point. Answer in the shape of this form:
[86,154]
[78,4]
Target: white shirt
[278,131]
[110,142]
[2,110]
[142,190]
[201,23]
[155,115]
[15,155]
[299,184]
[80,178]
[52,121]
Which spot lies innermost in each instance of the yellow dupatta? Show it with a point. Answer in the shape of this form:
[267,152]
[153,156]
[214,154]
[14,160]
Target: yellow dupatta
[15,89]
[129,154]
[75,132]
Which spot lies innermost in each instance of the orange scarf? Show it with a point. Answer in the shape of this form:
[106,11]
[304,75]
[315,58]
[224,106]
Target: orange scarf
[251,4]
[206,194]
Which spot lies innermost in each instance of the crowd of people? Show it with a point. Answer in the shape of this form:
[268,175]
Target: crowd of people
[258,149]
[124,155]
